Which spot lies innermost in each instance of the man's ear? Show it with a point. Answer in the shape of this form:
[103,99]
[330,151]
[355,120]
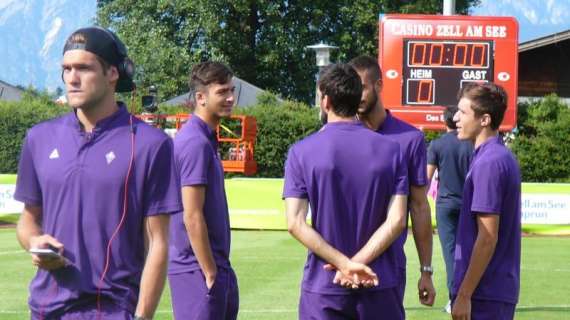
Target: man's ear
[325,104]
[200,97]
[486,120]
[113,73]
[379,84]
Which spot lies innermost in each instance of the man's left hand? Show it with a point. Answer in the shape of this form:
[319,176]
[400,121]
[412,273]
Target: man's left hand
[426,290]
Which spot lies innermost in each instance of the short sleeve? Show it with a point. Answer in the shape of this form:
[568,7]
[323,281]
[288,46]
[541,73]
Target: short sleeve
[432,154]
[294,185]
[417,165]
[193,158]
[488,188]
[28,189]
[401,186]
[162,189]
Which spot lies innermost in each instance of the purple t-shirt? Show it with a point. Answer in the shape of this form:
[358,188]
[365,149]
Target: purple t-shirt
[338,171]
[492,186]
[78,180]
[414,153]
[198,163]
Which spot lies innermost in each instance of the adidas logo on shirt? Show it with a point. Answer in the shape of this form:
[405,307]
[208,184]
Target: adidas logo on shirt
[54,154]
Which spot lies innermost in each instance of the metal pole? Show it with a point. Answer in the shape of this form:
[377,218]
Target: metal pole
[448,7]
[317,95]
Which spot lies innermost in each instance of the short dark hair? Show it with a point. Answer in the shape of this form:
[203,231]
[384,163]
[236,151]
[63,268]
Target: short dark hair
[206,73]
[448,115]
[486,98]
[342,85]
[368,64]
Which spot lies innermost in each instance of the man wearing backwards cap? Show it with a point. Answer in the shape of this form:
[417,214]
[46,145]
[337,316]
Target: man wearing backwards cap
[98,187]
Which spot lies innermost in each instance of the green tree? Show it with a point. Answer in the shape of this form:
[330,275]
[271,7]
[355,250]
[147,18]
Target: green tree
[542,144]
[16,117]
[263,41]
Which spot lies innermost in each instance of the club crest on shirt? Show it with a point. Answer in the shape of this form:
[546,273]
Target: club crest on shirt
[54,154]
[110,157]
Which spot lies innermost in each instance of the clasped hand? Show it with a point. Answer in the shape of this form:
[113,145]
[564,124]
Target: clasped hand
[353,275]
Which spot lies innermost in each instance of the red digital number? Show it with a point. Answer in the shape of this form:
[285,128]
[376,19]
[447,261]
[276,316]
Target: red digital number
[436,54]
[460,48]
[425,91]
[478,53]
[418,46]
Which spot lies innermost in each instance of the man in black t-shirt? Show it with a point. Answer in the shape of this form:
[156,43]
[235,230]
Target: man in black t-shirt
[451,158]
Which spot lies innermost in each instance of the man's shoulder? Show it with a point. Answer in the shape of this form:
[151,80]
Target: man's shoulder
[496,158]
[187,137]
[62,120]
[308,142]
[403,129]
[49,127]
[148,133]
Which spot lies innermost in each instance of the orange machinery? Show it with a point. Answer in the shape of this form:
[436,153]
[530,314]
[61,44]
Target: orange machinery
[239,157]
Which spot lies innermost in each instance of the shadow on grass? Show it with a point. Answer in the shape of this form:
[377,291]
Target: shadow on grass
[525,309]
[554,309]
[8,220]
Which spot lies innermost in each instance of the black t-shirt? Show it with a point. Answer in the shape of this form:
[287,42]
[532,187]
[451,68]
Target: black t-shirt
[452,158]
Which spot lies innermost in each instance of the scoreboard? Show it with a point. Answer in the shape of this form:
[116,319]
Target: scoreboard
[427,59]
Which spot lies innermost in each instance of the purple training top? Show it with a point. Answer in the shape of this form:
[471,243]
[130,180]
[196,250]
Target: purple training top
[78,180]
[197,160]
[414,153]
[348,173]
[492,186]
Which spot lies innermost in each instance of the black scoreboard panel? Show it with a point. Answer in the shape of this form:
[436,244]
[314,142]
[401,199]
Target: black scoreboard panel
[434,70]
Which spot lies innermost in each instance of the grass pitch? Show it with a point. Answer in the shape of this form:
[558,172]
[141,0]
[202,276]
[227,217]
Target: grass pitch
[269,266]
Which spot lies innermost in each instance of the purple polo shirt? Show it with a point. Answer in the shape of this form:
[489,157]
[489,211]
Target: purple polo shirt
[78,180]
[338,171]
[492,186]
[198,163]
[414,154]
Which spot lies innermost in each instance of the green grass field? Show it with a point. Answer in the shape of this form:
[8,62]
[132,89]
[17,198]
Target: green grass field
[269,265]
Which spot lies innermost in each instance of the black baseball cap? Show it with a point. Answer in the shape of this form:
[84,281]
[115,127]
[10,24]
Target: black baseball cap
[106,45]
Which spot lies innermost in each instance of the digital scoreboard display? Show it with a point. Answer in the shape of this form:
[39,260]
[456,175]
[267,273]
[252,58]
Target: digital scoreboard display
[435,70]
[426,60]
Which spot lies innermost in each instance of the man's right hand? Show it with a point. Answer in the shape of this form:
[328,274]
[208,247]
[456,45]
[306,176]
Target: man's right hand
[354,275]
[43,242]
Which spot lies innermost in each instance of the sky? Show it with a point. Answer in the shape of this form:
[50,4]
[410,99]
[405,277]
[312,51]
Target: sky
[36,30]
[536,18]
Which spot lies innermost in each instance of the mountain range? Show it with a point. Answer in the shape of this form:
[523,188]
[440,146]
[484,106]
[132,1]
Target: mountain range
[32,34]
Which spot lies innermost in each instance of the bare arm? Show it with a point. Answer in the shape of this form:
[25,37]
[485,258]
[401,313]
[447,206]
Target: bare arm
[154,272]
[30,235]
[389,231]
[421,223]
[29,225]
[422,230]
[296,210]
[193,198]
[430,172]
[483,250]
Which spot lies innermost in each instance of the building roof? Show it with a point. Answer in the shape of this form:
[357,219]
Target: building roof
[10,92]
[543,66]
[544,41]
[245,94]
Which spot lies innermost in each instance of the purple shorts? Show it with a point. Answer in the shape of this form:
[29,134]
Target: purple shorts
[363,305]
[491,310]
[402,284]
[191,299]
[87,311]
